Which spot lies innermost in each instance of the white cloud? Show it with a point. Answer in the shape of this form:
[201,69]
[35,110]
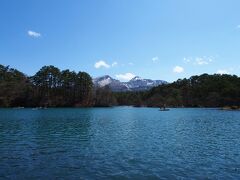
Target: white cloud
[198,60]
[114,64]
[201,61]
[187,60]
[131,64]
[223,71]
[154,59]
[100,64]
[34,34]
[125,77]
[178,69]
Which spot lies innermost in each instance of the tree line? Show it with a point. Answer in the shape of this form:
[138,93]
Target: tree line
[51,87]
[197,91]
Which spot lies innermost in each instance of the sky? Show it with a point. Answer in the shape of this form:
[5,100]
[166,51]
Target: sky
[156,39]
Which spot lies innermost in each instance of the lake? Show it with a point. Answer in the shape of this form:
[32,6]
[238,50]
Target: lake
[119,143]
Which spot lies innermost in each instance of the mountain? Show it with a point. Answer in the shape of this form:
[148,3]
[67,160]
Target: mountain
[139,84]
[135,84]
[114,84]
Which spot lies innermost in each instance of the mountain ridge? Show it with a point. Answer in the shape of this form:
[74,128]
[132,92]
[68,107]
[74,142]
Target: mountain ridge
[135,84]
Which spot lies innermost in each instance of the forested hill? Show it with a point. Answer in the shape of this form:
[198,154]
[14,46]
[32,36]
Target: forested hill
[198,91]
[50,87]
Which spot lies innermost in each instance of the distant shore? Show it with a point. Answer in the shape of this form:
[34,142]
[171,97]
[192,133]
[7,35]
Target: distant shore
[226,108]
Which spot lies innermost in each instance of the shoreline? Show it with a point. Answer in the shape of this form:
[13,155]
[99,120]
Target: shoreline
[225,108]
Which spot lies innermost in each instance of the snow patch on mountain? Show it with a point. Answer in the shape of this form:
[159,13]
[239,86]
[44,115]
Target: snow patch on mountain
[135,84]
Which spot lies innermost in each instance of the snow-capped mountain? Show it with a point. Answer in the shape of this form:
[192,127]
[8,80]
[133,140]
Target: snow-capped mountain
[135,84]
[106,80]
[138,83]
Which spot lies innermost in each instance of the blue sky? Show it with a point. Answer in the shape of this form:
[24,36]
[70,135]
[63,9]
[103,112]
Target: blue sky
[158,39]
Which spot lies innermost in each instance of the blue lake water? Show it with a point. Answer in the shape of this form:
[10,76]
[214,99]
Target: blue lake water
[119,143]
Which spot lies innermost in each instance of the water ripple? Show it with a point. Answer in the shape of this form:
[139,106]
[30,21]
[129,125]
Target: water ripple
[119,143]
